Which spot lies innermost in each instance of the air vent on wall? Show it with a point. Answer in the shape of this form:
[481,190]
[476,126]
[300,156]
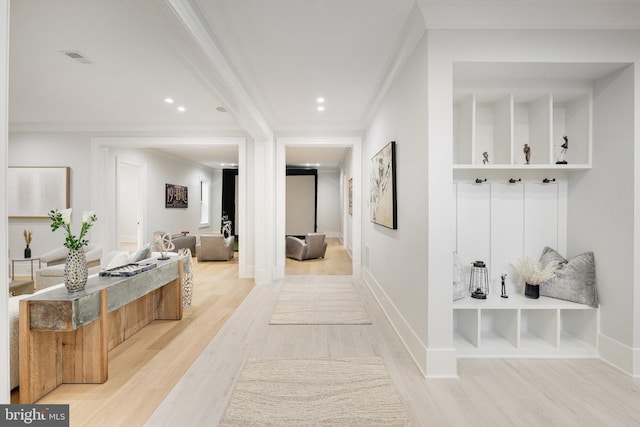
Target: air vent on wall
[74,54]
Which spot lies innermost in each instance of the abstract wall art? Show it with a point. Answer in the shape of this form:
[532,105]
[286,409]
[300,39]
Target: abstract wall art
[383,203]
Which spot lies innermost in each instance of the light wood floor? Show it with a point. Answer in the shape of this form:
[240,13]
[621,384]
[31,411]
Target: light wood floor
[174,374]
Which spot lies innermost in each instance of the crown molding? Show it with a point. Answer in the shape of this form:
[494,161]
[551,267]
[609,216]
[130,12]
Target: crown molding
[541,14]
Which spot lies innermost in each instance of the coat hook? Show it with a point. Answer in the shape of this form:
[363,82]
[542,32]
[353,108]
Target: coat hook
[547,180]
[513,181]
[480,181]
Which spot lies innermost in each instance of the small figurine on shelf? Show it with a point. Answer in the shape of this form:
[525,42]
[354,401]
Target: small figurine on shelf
[527,153]
[503,293]
[485,158]
[563,152]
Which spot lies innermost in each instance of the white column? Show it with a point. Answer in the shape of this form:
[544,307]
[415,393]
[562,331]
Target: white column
[264,199]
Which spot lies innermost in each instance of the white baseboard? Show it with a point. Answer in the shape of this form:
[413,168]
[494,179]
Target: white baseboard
[619,355]
[411,341]
[333,234]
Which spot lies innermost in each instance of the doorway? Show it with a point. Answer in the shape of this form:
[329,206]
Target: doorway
[350,168]
[130,218]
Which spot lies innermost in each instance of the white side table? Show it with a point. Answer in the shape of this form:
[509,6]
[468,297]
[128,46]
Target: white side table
[31,260]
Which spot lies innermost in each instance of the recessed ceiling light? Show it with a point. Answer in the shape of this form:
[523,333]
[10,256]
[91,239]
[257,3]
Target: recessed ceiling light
[320,107]
[168,100]
[182,109]
[320,100]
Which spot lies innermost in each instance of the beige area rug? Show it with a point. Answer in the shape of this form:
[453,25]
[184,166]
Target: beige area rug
[319,304]
[315,392]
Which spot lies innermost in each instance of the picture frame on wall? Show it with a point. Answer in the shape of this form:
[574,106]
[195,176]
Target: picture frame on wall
[34,191]
[350,196]
[383,197]
[176,196]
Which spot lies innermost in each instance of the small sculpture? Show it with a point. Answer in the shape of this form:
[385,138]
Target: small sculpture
[485,158]
[563,151]
[165,245]
[504,289]
[527,153]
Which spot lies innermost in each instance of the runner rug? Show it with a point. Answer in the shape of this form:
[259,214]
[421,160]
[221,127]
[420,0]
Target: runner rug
[319,304]
[305,392]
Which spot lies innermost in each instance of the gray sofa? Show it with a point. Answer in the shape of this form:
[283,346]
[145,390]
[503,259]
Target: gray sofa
[181,241]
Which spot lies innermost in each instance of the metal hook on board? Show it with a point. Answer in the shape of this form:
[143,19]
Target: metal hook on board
[513,181]
[547,180]
[480,181]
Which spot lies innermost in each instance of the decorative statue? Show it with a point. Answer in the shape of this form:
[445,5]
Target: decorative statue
[527,153]
[485,158]
[563,152]
[504,289]
[165,245]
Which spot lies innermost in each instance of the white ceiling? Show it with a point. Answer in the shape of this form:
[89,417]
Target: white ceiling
[266,62]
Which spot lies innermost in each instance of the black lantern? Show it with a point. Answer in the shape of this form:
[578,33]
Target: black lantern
[479,280]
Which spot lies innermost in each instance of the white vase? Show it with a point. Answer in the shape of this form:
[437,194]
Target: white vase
[76,270]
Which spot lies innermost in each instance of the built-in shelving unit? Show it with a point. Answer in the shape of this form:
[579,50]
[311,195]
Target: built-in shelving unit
[507,209]
[522,327]
[500,123]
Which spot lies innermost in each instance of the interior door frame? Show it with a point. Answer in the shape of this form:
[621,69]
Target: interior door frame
[353,142]
[141,205]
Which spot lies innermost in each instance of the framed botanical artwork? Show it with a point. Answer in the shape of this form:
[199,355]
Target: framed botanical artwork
[176,196]
[34,191]
[350,196]
[383,202]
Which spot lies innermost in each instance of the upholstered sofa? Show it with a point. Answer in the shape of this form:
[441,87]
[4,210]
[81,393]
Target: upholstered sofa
[53,272]
[313,246]
[215,247]
[180,241]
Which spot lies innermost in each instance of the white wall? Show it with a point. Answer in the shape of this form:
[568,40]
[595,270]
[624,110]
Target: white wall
[395,261]
[329,206]
[610,219]
[51,149]
[161,170]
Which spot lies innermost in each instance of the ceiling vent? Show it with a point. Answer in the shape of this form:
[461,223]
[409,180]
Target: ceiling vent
[80,57]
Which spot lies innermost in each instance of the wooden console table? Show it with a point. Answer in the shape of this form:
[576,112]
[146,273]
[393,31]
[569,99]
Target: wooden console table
[65,338]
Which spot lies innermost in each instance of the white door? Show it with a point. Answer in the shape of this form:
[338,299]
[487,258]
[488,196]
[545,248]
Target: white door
[130,197]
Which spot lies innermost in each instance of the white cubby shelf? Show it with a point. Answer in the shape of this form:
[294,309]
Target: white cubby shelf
[522,327]
[500,121]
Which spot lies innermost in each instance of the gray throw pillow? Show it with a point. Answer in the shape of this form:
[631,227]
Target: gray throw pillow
[143,253]
[574,280]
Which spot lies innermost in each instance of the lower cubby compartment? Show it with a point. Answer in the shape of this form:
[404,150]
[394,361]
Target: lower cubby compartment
[521,327]
[538,329]
[498,328]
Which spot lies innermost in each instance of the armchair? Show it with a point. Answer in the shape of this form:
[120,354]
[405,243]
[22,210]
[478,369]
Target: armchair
[215,247]
[179,240]
[313,246]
